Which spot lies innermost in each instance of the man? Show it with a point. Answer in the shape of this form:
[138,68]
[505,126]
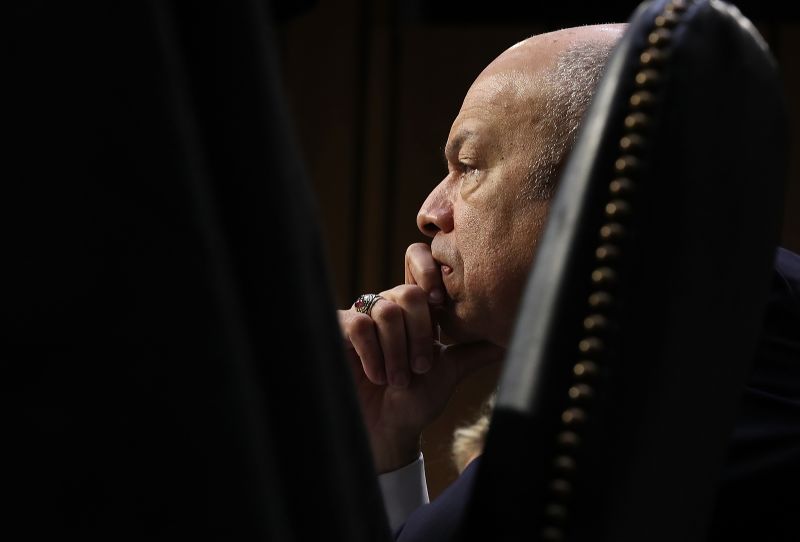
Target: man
[504,152]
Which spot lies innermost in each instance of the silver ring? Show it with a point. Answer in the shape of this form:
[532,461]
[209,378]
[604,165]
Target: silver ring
[365,302]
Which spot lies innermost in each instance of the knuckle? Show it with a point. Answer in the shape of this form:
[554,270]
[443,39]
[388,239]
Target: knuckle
[386,311]
[414,248]
[411,294]
[361,327]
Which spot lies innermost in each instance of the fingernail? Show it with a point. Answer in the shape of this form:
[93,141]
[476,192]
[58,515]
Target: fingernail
[399,379]
[436,296]
[421,365]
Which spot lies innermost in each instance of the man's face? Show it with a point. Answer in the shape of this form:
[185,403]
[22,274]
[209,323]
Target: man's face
[482,220]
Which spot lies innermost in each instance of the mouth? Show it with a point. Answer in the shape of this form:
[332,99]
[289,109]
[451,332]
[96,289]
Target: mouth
[449,282]
[443,258]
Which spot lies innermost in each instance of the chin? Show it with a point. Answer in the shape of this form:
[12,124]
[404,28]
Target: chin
[456,330]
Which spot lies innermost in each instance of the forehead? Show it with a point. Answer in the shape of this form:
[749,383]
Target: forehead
[497,103]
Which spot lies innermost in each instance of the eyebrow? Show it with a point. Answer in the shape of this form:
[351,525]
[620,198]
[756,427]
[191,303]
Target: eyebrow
[454,145]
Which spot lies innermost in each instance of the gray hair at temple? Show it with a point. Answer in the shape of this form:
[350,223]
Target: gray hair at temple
[568,89]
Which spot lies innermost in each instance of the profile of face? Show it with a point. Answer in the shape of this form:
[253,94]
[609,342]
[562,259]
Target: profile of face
[483,217]
[484,227]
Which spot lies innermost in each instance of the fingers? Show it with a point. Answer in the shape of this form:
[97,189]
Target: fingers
[360,335]
[395,339]
[391,330]
[421,269]
[417,319]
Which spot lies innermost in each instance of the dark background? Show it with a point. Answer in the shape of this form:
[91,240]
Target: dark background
[373,87]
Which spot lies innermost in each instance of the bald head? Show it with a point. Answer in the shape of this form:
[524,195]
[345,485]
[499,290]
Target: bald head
[541,52]
[543,85]
[503,154]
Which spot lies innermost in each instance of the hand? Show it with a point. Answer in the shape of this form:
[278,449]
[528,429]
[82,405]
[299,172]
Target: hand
[424,271]
[403,376]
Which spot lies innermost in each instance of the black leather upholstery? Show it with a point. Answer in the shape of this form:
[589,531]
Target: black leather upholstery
[687,291]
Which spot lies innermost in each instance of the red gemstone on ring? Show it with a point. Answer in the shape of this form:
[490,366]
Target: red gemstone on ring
[359,304]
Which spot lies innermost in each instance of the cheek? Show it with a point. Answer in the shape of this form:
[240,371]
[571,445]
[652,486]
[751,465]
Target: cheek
[497,249]
[483,241]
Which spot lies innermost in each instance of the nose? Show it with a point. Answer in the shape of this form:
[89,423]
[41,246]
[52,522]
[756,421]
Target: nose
[436,213]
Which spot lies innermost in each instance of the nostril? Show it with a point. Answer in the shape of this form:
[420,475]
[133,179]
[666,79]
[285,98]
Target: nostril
[430,228]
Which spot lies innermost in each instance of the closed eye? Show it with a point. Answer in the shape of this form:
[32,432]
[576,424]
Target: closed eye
[466,169]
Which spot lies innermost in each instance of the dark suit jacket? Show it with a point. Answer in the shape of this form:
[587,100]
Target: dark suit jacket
[759,493]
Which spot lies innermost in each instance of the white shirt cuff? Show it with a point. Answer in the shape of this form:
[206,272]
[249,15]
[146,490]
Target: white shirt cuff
[404,490]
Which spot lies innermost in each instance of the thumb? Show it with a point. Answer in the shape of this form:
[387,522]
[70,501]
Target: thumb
[469,357]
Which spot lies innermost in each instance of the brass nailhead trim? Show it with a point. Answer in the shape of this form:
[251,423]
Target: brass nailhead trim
[605,253]
[659,36]
[647,78]
[617,208]
[666,20]
[653,56]
[631,143]
[612,232]
[604,276]
[552,534]
[595,322]
[561,487]
[676,6]
[637,121]
[585,368]
[626,166]
[580,392]
[568,439]
[564,463]
[590,345]
[573,416]
[621,186]
[643,98]
[599,300]
[556,512]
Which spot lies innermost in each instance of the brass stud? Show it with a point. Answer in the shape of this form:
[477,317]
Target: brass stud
[564,463]
[643,98]
[636,121]
[600,300]
[590,345]
[659,37]
[556,512]
[561,487]
[580,392]
[653,56]
[631,142]
[552,534]
[604,276]
[647,78]
[568,439]
[595,322]
[617,208]
[612,232]
[606,253]
[573,416]
[626,164]
[621,186]
[676,6]
[585,369]
[667,19]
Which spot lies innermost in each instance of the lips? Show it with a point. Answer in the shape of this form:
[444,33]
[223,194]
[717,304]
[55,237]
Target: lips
[448,277]
[444,257]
